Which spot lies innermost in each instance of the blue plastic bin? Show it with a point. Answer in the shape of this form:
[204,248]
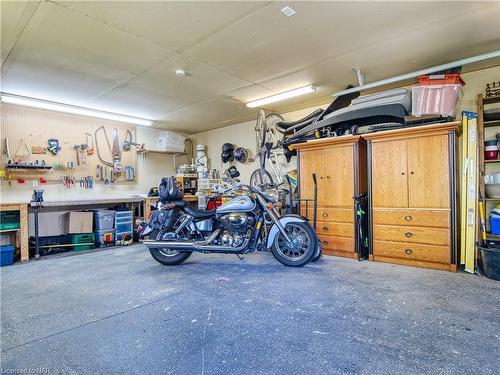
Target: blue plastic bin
[104,220]
[495,225]
[124,227]
[7,255]
[123,215]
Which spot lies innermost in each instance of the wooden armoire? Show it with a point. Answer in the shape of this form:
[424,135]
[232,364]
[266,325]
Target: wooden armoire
[413,195]
[340,167]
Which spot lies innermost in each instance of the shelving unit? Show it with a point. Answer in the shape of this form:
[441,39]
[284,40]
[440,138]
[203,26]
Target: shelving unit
[487,166]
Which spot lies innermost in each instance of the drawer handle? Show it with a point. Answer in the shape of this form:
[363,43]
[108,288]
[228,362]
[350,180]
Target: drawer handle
[321,177]
[327,176]
[325,229]
[408,234]
[325,242]
[408,251]
[408,218]
[324,214]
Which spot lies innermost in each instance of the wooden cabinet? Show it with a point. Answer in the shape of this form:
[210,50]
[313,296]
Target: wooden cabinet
[340,168]
[412,196]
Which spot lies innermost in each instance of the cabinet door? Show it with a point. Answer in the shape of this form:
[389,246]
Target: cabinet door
[311,162]
[389,174]
[428,167]
[339,176]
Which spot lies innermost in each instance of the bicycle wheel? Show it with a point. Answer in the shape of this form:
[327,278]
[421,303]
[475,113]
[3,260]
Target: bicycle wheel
[258,178]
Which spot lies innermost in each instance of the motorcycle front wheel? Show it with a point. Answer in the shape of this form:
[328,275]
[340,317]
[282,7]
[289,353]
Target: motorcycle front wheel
[300,250]
[166,256]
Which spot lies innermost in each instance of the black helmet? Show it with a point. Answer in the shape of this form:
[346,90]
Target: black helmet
[233,172]
[227,152]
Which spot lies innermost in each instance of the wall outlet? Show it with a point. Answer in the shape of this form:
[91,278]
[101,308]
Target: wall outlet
[35,183]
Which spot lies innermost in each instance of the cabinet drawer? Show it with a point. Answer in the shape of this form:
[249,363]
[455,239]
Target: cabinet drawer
[339,215]
[426,253]
[335,229]
[337,245]
[431,236]
[421,218]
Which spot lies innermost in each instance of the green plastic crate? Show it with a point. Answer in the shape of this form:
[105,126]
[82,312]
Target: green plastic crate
[83,238]
[9,220]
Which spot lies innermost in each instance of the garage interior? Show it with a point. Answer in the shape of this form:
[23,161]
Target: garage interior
[327,173]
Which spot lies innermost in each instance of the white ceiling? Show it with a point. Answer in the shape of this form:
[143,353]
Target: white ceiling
[121,56]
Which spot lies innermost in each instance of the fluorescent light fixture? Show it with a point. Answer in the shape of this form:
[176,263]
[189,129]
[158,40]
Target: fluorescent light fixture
[66,108]
[403,77]
[284,95]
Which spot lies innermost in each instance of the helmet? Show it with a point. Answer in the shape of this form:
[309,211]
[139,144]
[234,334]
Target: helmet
[240,154]
[227,152]
[233,172]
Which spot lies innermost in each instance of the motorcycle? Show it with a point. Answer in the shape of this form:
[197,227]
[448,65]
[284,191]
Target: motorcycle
[246,223]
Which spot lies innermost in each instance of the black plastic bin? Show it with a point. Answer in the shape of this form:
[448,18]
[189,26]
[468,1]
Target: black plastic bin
[491,262]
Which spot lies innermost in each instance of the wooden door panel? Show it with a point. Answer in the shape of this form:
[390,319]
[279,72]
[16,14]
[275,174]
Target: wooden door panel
[389,174]
[339,176]
[311,162]
[428,179]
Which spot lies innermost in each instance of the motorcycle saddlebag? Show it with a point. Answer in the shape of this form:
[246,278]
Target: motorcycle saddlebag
[169,190]
[161,219]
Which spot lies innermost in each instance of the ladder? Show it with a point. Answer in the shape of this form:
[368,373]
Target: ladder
[469,191]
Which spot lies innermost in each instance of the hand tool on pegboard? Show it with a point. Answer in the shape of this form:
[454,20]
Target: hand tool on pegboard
[89,141]
[77,149]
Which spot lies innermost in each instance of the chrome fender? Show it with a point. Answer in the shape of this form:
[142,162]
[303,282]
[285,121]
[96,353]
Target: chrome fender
[284,220]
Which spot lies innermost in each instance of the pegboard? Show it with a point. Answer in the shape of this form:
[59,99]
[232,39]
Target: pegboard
[35,127]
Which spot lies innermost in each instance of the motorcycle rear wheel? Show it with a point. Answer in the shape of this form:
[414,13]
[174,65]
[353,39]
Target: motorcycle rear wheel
[301,251]
[162,255]
[166,256]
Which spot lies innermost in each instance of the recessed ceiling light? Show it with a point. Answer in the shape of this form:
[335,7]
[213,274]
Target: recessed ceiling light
[287,11]
[180,72]
[67,108]
[282,96]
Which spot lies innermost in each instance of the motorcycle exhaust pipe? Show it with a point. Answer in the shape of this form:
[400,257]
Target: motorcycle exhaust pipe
[181,245]
[199,246]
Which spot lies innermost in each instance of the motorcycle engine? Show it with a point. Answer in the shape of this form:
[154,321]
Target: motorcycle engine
[235,225]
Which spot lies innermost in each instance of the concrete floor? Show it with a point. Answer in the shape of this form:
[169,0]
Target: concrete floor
[118,311]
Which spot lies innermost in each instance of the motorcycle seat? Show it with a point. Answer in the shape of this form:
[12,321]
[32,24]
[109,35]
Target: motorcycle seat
[199,214]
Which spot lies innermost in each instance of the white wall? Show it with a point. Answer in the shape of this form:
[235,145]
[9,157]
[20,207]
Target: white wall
[243,135]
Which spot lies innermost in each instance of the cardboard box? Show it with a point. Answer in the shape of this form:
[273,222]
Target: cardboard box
[78,222]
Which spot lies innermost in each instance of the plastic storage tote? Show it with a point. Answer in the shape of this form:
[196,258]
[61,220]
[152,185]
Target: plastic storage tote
[436,100]
[170,141]
[83,238]
[104,219]
[104,237]
[440,79]
[123,216]
[495,225]
[7,255]
[124,227]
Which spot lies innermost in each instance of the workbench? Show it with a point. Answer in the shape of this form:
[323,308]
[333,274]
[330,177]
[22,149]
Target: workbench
[22,232]
[143,203]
